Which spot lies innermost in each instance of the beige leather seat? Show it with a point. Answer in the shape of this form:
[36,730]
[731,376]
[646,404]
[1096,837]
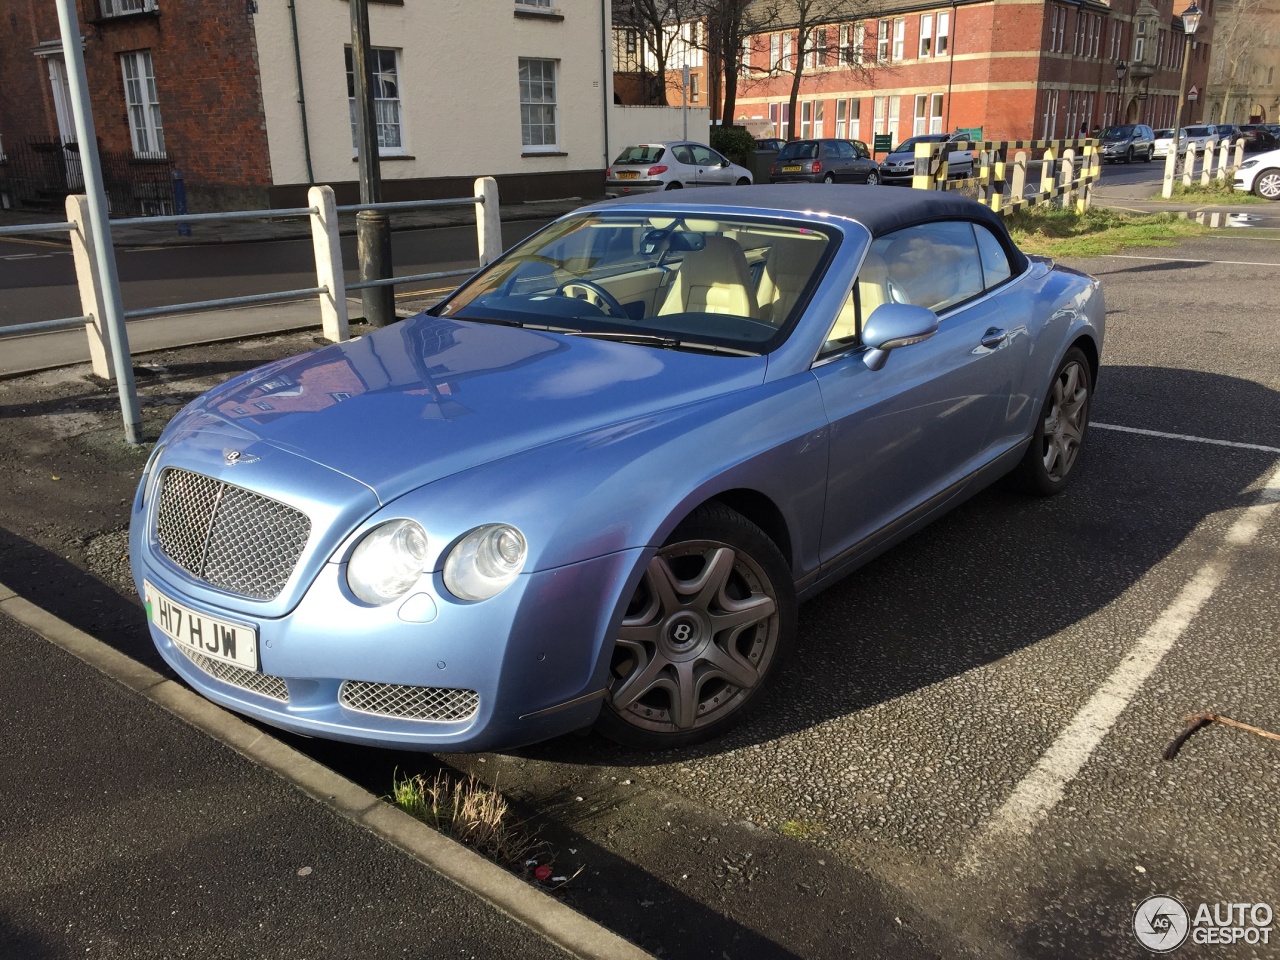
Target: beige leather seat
[787,268]
[714,279]
[873,290]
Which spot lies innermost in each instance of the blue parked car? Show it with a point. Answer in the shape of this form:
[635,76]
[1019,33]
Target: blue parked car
[592,485]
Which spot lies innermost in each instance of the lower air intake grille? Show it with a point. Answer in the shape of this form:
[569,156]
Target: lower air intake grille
[262,684]
[440,704]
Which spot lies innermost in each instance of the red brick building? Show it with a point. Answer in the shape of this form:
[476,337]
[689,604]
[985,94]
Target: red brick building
[1017,69]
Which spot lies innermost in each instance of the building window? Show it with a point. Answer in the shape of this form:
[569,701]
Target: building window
[806,119]
[694,93]
[1050,114]
[386,100]
[145,127]
[538,105]
[922,115]
[899,38]
[926,34]
[119,8]
[852,38]
[817,54]
[842,119]
[942,44]
[744,58]
[775,51]
[544,4]
[935,113]
[882,40]
[631,42]
[788,51]
[877,123]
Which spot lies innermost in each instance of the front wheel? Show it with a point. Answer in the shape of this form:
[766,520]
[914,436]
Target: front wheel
[1151,152]
[1049,463]
[873,178]
[1267,184]
[706,628]
[1128,155]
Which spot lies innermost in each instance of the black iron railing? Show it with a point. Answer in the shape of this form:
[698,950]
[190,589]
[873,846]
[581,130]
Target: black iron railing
[40,174]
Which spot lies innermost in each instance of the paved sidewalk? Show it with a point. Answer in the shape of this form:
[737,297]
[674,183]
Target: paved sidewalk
[126,832]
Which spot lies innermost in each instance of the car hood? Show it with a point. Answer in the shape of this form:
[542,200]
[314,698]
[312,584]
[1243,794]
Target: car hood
[429,397]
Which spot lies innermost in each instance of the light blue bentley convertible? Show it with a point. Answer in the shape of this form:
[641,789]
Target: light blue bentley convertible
[591,486]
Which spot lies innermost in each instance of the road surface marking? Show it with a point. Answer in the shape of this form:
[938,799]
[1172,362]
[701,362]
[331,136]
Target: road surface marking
[1235,263]
[28,256]
[1043,787]
[1183,436]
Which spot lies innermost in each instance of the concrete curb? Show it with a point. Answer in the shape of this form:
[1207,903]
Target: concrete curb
[561,925]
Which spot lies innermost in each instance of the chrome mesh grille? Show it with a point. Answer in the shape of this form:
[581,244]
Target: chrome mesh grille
[440,704]
[259,683]
[230,538]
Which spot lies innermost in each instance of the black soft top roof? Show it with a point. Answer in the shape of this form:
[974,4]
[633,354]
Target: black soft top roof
[881,210]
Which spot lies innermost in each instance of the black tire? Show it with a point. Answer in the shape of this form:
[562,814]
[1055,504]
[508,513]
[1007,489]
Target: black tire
[1151,153]
[1128,156]
[1267,184]
[1052,459]
[677,677]
[743,182]
[674,185]
[829,178]
[873,179]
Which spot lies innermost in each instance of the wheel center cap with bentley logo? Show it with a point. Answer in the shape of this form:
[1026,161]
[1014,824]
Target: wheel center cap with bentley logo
[683,631]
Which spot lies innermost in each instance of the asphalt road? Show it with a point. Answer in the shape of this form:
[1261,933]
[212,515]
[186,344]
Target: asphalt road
[37,279]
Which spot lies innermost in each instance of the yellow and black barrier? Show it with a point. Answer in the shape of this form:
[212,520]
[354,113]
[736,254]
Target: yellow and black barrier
[1001,165]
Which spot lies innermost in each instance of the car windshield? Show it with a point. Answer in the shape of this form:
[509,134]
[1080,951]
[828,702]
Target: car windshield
[909,145]
[1118,133]
[1164,134]
[670,280]
[1197,131]
[646,153]
[799,150]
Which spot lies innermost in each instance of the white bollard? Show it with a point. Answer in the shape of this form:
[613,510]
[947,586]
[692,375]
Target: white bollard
[327,247]
[1207,169]
[91,303]
[1223,156]
[1170,165]
[1068,176]
[488,221]
[1189,165]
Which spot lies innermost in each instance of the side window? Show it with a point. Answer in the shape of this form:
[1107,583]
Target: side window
[703,156]
[683,154]
[995,262]
[933,265]
[845,151]
[860,150]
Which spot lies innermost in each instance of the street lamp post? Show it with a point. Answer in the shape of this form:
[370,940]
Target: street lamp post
[1121,69]
[1190,21]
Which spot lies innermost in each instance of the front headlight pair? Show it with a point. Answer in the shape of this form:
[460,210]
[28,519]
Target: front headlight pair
[390,558]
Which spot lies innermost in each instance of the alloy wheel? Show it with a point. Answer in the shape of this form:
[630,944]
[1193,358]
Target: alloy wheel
[1065,420]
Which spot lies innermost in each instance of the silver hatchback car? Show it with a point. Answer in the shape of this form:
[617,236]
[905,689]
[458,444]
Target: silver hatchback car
[670,165]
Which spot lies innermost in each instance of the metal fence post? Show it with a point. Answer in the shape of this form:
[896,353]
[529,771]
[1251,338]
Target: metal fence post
[327,247]
[488,221]
[90,289]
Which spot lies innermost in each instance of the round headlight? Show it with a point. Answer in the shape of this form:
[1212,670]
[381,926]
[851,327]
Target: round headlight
[485,561]
[387,561]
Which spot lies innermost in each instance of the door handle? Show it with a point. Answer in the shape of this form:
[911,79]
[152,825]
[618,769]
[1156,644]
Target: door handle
[993,338]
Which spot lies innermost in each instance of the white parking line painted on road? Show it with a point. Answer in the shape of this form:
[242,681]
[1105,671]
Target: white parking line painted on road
[1234,263]
[1044,785]
[1183,436]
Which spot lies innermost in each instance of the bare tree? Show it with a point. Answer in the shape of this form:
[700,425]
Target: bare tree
[813,23]
[656,24]
[1237,53]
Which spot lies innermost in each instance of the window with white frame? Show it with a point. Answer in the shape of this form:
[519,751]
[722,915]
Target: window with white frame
[899,38]
[935,113]
[892,120]
[806,119]
[943,42]
[878,115]
[855,125]
[545,4]
[926,34]
[1079,44]
[815,54]
[385,83]
[788,51]
[842,119]
[882,39]
[143,105]
[744,57]
[538,122]
[1115,40]
[695,94]
[775,51]
[852,38]
[921,124]
[1050,114]
[120,8]
[1140,42]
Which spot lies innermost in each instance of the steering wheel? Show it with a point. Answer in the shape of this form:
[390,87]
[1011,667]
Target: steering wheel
[595,295]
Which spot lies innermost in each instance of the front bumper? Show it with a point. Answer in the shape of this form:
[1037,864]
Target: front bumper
[535,656]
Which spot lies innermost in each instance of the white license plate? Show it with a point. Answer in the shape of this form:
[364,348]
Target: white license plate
[219,639]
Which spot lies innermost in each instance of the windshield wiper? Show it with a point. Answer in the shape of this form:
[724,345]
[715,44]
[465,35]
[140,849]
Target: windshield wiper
[499,321]
[665,343]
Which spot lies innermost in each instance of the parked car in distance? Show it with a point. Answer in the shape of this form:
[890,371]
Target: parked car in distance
[770,143]
[1227,131]
[825,161]
[1164,142]
[1199,134]
[899,166]
[670,165]
[592,485]
[1128,142]
[1258,137]
[1260,175]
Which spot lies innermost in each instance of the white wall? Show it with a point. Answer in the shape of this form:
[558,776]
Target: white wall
[459,86]
[631,125]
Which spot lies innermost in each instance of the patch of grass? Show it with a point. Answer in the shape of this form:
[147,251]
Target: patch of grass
[1050,231]
[473,814]
[1217,191]
[799,829]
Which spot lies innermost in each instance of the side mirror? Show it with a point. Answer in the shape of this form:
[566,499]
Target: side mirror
[894,325]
